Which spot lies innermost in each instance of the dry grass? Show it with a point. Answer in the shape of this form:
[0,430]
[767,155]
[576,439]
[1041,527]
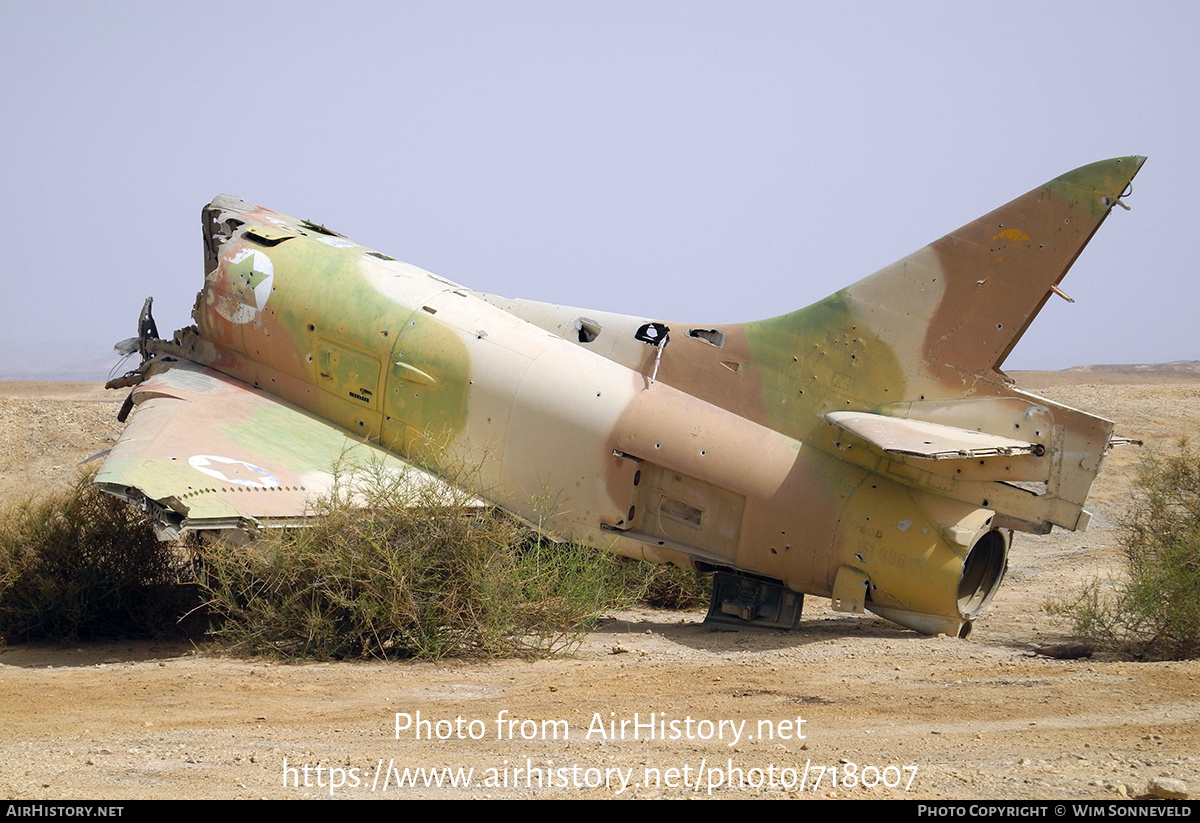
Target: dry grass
[401,570]
[80,564]
[386,569]
[1154,613]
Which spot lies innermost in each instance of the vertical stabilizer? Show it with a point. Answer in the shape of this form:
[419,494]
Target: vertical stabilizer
[962,302]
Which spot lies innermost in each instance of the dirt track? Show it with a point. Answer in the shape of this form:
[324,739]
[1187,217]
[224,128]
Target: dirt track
[945,718]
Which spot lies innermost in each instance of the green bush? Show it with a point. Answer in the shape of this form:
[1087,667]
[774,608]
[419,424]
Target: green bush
[1155,613]
[386,569]
[81,564]
[409,571]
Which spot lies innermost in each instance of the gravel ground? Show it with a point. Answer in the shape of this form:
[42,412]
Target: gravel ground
[845,707]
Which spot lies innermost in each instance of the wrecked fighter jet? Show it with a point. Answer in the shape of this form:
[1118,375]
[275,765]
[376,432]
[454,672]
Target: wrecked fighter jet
[866,448]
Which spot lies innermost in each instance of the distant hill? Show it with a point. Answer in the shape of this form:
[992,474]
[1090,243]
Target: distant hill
[1178,367]
[56,361]
[92,372]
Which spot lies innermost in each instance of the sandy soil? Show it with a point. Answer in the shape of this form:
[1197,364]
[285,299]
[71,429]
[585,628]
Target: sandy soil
[885,711]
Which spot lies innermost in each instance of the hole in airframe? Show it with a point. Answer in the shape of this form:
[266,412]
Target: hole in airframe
[586,329]
[711,336]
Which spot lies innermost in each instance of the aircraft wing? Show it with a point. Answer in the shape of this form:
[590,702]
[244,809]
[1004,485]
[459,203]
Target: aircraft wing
[203,451]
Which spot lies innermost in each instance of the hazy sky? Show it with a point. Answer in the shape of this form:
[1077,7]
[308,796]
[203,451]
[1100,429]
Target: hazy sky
[692,161]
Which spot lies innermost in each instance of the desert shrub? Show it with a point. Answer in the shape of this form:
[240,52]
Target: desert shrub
[407,570]
[670,587]
[1155,611]
[81,564]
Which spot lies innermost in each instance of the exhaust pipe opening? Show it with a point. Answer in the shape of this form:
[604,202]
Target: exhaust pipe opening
[982,571]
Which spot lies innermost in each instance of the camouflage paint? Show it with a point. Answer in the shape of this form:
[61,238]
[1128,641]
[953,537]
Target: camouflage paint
[822,358]
[719,446]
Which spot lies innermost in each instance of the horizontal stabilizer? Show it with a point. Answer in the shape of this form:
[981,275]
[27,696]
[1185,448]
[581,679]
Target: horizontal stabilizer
[931,441]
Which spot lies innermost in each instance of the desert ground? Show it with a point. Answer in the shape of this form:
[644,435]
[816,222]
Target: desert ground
[652,704]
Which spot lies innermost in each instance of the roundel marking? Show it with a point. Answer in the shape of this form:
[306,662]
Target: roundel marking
[230,470]
[252,273]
